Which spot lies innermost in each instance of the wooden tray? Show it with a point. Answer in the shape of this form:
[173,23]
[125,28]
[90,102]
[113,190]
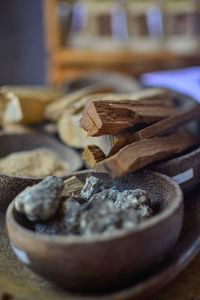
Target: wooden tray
[16,279]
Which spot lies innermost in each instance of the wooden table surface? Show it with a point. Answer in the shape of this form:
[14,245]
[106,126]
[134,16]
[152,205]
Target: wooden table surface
[185,287]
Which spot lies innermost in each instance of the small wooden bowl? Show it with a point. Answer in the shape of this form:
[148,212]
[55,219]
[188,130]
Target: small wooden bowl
[11,185]
[98,261]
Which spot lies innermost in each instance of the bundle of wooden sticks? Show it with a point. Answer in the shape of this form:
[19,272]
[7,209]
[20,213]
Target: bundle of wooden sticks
[136,132]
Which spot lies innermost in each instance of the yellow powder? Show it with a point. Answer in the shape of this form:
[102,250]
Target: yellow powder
[40,162]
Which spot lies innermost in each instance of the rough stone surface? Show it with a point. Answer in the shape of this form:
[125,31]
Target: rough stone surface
[100,210]
[42,200]
[92,185]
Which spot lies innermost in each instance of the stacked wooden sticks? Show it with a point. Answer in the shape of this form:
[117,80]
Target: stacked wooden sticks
[136,132]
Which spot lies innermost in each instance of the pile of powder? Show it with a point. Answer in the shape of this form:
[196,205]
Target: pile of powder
[40,162]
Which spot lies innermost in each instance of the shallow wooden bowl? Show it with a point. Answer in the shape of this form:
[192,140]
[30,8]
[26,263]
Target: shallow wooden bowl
[100,262]
[11,185]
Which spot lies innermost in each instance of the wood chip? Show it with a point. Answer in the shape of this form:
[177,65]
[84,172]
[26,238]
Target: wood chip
[139,154]
[17,128]
[92,155]
[73,187]
[110,144]
[109,117]
[159,96]
[26,104]
[169,124]
[70,132]
[3,103]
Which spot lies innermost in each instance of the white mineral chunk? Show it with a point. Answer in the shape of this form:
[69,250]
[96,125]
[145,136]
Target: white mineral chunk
[42,200]
[92,185]
[132,198]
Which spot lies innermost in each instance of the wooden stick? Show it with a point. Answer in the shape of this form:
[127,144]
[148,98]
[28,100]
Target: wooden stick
[92,155]
[70,132]
[168,124]
[110,144]
[159,97]
[139,154]
[27,104]
[72,187]
[108,117]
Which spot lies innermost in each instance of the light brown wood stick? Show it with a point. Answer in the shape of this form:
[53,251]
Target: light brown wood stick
[158,96]
[168,124]
[108,117]
[110,144]
[92,155]
[139,154]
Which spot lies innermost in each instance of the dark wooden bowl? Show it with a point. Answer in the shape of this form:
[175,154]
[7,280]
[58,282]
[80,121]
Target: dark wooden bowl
[99,262]
[11,185]
[185,169]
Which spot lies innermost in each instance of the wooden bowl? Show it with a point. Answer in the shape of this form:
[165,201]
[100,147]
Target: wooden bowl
[120,83]
[11,185]
[98,261]
[184,169]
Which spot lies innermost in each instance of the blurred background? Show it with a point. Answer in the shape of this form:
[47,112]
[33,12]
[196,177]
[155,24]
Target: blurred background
[51,41]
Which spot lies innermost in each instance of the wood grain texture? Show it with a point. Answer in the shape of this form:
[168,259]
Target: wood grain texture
[26,104]
[159,96]
[168,124]
[18,280]
[186,111]
[113,117]
[111,143]
[185,287]
[92,155]
[139,154]
[72,187]
[79,258]
[70,132]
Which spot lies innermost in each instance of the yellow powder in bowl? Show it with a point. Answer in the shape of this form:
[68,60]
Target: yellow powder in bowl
[40,162]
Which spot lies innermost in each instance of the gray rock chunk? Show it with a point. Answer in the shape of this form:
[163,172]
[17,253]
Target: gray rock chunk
[42,200]
[101,217]
[71,210]
[130,219]
[64,222]
[132,198]
[92,185]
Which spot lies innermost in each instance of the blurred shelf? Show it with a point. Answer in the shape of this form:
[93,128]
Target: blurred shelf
[65,63]
[67,56]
